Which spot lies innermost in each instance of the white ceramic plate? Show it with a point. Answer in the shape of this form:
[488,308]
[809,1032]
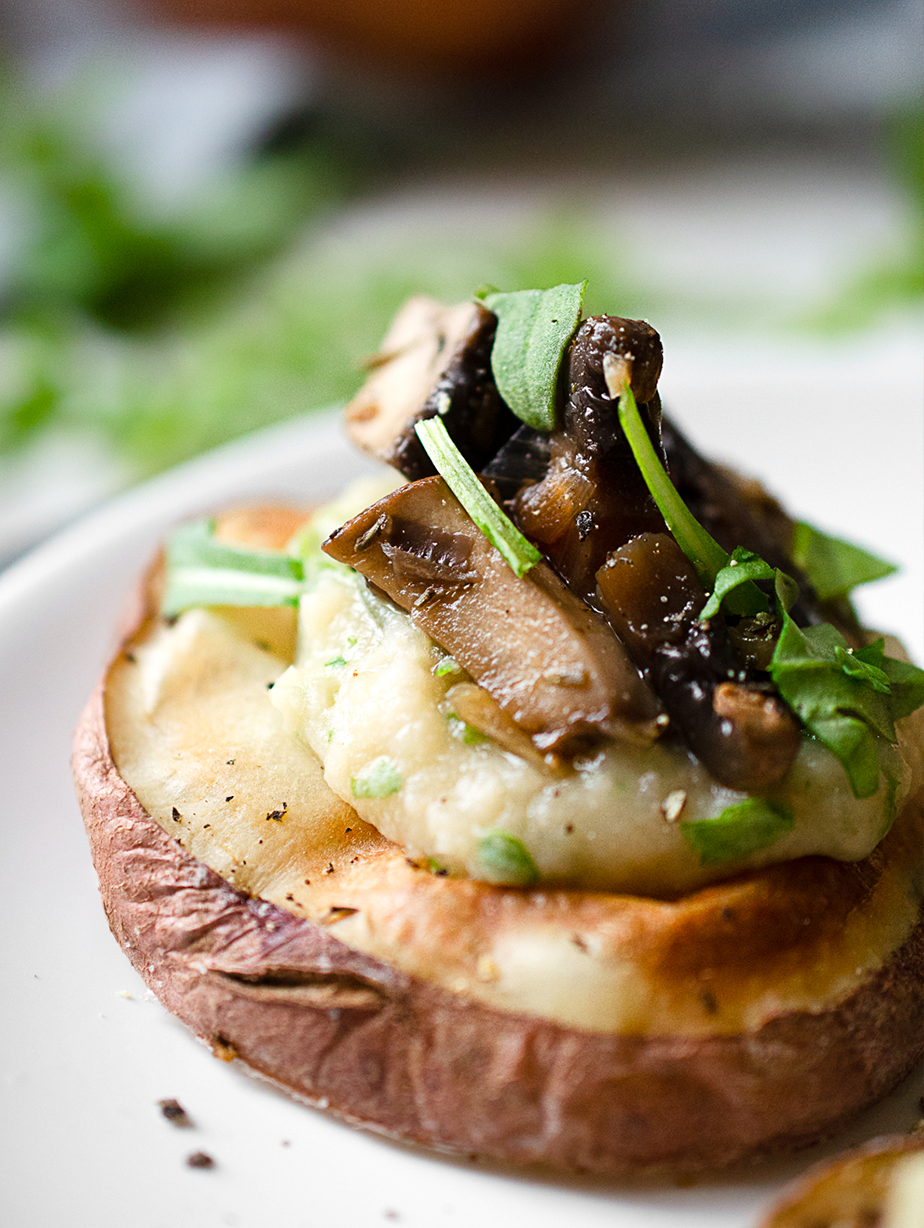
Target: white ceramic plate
[87,1053]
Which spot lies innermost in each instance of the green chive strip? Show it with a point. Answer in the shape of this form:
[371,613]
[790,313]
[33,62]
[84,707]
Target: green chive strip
[706,555]
[501,532]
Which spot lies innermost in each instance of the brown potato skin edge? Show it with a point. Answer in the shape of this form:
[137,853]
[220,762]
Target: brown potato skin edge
[387,1051]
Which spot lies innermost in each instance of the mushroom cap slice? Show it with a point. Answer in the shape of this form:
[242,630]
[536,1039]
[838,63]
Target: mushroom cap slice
[548,660]
[433,360]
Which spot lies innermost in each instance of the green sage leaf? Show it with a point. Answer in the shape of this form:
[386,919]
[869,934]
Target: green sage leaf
[533,331]
[741,829]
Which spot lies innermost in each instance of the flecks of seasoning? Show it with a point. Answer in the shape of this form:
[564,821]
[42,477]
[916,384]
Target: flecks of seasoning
[330,868]
[277,815]
[569,828]
[347,830]
[365,540]
[230,797]
[205,826]
[175,1114]
[200,1159]
[270,685]
[673,804]
[307,882]
[177,817]
[130,656]
[229,762]
[337,912]
[409,861]
[579,943]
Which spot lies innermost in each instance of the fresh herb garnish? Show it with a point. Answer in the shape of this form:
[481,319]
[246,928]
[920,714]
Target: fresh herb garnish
[838,694]
[505,859]
[468,734]
[202,570]
[703,551]
[846,698]
[533,331]
[741,828]
[833,566]
[379,778]
[742,568]
[501,532]
[446,666]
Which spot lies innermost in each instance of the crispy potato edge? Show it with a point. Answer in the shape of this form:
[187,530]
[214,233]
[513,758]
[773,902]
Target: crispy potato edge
[347,1032]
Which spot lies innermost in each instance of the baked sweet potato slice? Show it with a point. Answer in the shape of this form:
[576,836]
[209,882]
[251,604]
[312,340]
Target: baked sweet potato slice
[750,1016]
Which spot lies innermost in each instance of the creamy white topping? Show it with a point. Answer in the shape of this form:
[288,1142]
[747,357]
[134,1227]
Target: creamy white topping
[369,692]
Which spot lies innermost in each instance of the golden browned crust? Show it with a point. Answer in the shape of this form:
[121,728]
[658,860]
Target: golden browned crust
[386,1050]
[851,1190]
[404,1056]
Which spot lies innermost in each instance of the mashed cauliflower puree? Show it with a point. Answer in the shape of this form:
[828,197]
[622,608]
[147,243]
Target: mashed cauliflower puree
[373,697]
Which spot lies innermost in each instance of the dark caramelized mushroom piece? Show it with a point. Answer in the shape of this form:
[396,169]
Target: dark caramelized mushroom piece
[434,360]
[738,727]
[594,498]
[552,664]
[738,511]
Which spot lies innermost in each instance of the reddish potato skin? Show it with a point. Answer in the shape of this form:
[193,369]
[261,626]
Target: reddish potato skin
[347,1032]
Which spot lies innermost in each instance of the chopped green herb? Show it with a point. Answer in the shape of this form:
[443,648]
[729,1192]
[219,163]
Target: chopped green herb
[434,867]
[706,555]
[834,567]
[906,681]
[503,858]
[448,665]
[501,532]
[742,828]
[704,552]
[335,662]
[461,729]
[839,695]
[204,571]
[738,574]
[379,778]
[854,666]
[533,331]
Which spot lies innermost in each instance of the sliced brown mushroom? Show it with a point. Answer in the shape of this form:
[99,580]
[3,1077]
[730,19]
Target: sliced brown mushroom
[593,498]
[737,726]
[434,360]
[552,664]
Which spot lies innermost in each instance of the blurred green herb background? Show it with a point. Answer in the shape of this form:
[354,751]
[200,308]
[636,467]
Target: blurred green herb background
[164,333]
